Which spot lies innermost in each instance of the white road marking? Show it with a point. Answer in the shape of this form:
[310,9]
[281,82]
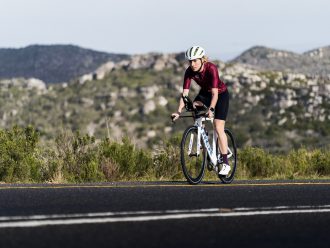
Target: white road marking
[283,207]
[103,214]
[89,218]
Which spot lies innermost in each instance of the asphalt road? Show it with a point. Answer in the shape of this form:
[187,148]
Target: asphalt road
[167,214]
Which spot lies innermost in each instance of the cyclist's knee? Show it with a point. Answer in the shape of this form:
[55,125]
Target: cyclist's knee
[220,132]
[219,126]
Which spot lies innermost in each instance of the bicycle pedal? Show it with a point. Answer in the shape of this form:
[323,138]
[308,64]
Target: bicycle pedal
[193,155]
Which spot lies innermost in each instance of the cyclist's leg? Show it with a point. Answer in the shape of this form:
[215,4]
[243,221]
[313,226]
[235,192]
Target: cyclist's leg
[221,110]
[220,116]
[198,104]
[219,126]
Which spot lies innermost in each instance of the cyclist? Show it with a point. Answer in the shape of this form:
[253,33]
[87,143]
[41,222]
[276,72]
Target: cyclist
[213,93]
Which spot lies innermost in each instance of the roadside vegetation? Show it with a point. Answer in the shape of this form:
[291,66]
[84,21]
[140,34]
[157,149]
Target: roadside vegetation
[77,158]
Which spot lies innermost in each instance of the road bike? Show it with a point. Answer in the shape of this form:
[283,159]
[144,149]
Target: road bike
[197,152]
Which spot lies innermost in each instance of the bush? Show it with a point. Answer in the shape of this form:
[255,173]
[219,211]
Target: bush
[259,163]
[301,163]
[77,158]
[167,161]
[320,161]
[131,162]
[80,158]
[19,159]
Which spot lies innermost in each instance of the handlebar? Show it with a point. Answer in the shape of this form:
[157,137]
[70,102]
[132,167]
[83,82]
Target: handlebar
[189,106]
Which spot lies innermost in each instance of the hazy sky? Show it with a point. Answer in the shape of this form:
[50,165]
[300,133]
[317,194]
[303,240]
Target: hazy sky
[225,28]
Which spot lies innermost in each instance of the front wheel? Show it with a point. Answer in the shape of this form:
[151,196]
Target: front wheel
[193,156]
[232,157]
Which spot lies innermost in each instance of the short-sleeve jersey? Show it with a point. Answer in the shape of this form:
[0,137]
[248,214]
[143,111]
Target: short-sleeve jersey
[206,79]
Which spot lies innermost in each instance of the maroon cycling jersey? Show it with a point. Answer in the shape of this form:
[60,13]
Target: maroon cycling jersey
[206,79]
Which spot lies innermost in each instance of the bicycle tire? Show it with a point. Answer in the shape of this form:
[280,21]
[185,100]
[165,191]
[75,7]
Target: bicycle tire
[193,171]
[232,161]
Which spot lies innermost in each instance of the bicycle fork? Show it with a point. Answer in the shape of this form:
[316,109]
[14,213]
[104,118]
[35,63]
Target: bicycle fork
[197,144]
[210,150]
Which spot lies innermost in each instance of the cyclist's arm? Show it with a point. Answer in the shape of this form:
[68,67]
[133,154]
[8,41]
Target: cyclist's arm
[214,98]
[181,103]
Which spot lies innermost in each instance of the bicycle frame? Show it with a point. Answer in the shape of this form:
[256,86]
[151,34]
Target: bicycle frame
[199,122]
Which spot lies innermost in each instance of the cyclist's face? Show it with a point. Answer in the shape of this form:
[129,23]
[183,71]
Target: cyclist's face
[195,64]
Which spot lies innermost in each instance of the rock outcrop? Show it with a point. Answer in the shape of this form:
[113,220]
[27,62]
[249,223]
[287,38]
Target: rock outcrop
[314,62]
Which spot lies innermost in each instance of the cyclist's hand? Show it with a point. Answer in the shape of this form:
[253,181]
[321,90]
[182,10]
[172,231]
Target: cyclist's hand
[175,116]
[210,114]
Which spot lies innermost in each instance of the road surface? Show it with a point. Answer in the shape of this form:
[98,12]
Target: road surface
[167,214]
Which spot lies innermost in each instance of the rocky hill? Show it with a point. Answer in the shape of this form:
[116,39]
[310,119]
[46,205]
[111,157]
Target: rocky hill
[62,63]
[135,97]
[314,62]
[53,63]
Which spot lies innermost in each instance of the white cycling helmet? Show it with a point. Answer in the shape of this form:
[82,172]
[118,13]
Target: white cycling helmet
[195,52]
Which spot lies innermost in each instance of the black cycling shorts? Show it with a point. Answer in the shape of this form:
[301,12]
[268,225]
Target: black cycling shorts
[221,108]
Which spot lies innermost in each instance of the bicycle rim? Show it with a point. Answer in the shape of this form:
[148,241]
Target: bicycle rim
[193,164]
[232,158]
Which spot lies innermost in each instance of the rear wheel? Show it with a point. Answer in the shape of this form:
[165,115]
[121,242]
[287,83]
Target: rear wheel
[232,157]
[193,158]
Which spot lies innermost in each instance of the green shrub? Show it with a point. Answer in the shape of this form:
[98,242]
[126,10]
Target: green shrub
[130,161]
[167,161]
[300,163]
[320,161]
[77,157]
[80,158]
[19,159]
[258,163]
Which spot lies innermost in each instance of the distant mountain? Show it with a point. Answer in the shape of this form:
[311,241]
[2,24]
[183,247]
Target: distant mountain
[62,63]
[314,62]
[52,63]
